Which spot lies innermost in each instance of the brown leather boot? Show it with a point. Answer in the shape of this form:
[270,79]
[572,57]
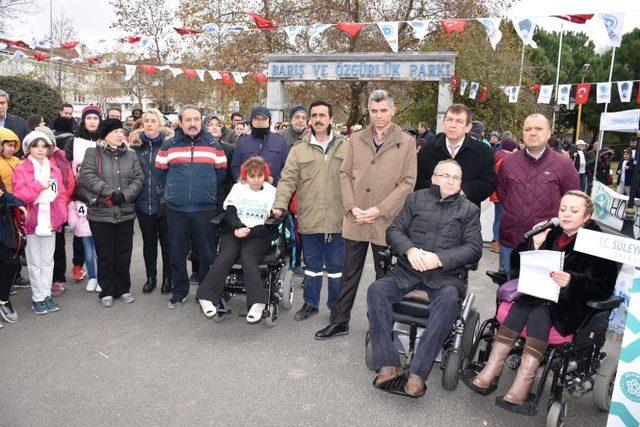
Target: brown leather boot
[533,351]
[495,246]
[387,373]
[501,348]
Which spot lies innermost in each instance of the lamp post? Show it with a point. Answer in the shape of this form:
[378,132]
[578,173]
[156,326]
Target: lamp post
[583,73]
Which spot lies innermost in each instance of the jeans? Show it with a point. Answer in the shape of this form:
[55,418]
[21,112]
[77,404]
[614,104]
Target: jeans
[154,229]
[583,182]
[322,250]
[443,311]
[505,258]
[90,256]
[498,208]
[114,244]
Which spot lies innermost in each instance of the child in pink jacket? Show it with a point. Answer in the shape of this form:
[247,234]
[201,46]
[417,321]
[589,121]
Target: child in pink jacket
[78,221]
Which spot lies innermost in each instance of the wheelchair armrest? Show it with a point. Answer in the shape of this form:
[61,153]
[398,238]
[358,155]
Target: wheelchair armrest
[217,220]
[471,267]
[498,277]
[605,304]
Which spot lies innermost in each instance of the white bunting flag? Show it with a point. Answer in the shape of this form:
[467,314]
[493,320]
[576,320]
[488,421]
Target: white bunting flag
[292,32]
[390,32]
[42,44]
[19,54]
[420,28]
[473,90]
[613,22]
[111,63]
[525,29]
[3,46]
[163,67]
[231,29]
[544,97]
[144,41]
[175,71]
[129,71]
[200,74]
[514,91]
[237,76]
[492,27]
[563,95]
[624,90]
[463,86]
[211,29]
[603,93]
[317,29]
[215,75]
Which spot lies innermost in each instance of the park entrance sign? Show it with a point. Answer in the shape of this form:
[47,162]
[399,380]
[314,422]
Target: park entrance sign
[429,66]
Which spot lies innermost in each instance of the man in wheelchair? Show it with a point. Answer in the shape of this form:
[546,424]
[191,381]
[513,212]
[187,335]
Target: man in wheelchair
[435,235]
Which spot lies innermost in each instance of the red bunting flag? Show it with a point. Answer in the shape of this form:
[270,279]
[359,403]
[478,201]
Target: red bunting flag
[39,56]
[453,25]
[349,28]
[135,39]
[638,96]
[582,93]
[70,45]
[18,43]
[149,69]
[262,23]
[94,60]
[190,73]
[455,84]
[484,94]
[534,87]
[186,31]
[576,19]
[227,78]
[260,78]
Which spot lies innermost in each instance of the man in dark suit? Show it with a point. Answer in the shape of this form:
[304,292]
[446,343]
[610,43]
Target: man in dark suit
[17,124]
[475,157]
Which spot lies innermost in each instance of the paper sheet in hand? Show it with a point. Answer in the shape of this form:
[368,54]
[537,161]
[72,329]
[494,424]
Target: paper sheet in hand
[535,267]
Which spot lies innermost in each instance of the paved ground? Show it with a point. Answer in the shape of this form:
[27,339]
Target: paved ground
[142,364]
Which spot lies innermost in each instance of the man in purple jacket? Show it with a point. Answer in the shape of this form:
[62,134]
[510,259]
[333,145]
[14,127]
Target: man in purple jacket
[531,183]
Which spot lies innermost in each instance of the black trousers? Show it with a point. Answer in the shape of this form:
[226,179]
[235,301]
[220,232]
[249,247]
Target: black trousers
[534,315]
[355,255]
[154,229]
[60,256]
[114,243]
[252,250]
[9,267]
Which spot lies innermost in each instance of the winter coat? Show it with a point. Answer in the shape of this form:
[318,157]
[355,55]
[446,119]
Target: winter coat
[68,177]
[19,126]
[592,277]
[77,219]
[191,171]
[628,173]
[475,158]
[498,159]
[7,166]
[62,140]
[273,149]
[228,136]
[291,136]
[105,170]
[12,201]
[314,176]
[27,189]
[530,191]
[381,179]
[449,227]
[147,201]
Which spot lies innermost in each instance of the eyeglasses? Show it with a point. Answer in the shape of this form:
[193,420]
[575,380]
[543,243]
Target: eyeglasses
[448,177]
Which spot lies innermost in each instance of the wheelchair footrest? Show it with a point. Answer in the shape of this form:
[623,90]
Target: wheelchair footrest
[527,408]
[468,376]
[396,385]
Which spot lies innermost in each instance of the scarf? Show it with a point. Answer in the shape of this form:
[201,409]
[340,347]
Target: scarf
[85,134]
[42,172]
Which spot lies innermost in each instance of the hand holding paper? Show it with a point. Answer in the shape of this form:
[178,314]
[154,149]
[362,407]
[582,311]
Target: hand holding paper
[541,274]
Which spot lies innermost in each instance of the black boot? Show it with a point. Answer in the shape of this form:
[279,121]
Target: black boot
[149,286]
[166,286]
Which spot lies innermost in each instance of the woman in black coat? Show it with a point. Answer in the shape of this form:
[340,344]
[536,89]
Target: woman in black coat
[584,277]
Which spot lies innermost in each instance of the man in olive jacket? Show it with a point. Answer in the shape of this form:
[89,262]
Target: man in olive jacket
[377,174]
[312,169]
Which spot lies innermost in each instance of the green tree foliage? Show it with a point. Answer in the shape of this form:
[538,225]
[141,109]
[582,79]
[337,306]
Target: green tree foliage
[28,97]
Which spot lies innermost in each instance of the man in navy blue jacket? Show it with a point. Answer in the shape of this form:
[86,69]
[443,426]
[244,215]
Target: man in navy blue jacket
[262,142]
[17,124]
[191,167]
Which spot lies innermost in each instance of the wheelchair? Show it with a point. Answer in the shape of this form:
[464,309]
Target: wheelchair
[278,282]
[411,317]
[576,362]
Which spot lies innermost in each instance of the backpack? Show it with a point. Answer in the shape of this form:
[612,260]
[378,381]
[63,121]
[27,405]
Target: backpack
[14,228]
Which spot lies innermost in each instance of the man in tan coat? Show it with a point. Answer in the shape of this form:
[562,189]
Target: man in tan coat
[377,174]
[312,169]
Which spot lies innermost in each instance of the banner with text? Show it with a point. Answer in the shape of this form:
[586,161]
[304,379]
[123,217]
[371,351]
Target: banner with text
[365,70]
[610,205]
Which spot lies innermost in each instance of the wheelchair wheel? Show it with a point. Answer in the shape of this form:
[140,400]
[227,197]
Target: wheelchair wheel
[604,381]
[452,362]
[557,414]
[219,316]
[287,290]
[368,352]
[272,315]
[471,329]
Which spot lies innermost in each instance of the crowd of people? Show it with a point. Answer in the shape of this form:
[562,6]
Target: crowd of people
[379,187]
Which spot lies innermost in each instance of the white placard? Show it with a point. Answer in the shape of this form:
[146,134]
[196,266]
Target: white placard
[621,121]
[608,246]
[535,269]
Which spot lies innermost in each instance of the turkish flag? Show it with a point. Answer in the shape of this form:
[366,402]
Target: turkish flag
[349,28]
[149,69]
[453,25]
[190,73]
[227,78]
[582,93]
[135,39]
[484,94]
[39,56]
[576,19]
[260,78]
[18,43]
[262,23]
[638,96]
[455,84]
[70,45]
[186,31]
[94,60]
[534,87]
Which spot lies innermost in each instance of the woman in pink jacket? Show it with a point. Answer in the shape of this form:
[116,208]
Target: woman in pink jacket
[38,183]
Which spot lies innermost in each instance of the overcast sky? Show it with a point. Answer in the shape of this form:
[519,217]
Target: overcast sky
[93,18]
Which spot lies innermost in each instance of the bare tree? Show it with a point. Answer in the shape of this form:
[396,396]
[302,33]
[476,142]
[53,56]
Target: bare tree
[12,9]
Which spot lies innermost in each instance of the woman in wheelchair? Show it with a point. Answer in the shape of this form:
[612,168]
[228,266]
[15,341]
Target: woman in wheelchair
[584,277]
[246,208]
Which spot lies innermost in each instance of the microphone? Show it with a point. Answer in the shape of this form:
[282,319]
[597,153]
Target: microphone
[553,222]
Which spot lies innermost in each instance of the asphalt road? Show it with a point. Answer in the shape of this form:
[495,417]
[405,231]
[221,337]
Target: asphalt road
[142,364]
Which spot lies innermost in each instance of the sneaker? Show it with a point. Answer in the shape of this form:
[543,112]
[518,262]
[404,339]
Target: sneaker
[255,313]
[92,285]
[78,273]
[208,308]
[175,303]
[13,291]
[21,282]
[8,313]
[127,298]
[39,307]
[98,288]
[106,301]
[58,288]
[52,305]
